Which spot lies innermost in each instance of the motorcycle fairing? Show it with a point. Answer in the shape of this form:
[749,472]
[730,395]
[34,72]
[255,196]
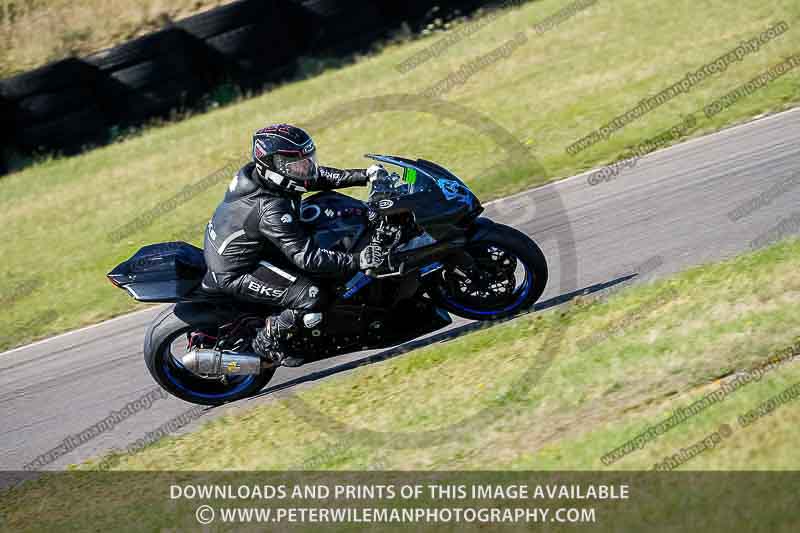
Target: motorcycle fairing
[165,272]
[438,197]
[448,183]
[349,327]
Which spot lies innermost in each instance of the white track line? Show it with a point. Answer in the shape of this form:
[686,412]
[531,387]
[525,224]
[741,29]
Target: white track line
[753,121]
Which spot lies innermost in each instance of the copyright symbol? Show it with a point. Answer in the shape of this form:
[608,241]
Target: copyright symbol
[204,514]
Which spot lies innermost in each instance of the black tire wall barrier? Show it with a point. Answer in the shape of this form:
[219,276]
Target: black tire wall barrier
[149,76]
[60,97]
[66,105]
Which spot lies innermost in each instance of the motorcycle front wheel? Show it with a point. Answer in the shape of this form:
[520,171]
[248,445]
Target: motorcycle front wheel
[508,276]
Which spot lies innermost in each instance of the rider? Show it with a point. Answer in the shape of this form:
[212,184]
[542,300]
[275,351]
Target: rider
[256,248]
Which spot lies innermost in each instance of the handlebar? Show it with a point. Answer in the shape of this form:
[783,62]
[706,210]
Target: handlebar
[385,184]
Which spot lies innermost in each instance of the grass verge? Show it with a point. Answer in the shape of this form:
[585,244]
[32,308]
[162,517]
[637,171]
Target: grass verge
[550,90]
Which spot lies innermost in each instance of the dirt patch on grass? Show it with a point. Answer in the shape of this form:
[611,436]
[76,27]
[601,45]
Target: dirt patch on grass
[78,28]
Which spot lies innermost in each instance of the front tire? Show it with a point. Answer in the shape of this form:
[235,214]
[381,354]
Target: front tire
[487,292]
[164,336]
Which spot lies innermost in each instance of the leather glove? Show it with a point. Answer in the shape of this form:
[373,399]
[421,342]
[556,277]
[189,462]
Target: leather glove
[376,172]
[370,257]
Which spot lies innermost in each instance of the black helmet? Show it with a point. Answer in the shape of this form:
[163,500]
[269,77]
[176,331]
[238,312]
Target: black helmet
[286,156]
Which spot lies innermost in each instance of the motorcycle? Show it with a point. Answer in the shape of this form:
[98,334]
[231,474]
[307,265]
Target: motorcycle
[441,257]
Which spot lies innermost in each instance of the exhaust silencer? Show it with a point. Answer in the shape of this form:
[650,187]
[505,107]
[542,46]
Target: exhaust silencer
[216,363]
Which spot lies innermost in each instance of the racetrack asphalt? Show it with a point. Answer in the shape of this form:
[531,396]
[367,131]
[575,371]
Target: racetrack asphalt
[669,212]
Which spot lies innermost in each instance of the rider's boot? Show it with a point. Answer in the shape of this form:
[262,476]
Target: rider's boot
[270,341]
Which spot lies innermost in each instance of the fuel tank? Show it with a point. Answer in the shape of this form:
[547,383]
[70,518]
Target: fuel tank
[338,221]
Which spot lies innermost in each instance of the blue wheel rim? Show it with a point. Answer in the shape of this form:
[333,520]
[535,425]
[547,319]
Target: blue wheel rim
[242,383]
[523,290]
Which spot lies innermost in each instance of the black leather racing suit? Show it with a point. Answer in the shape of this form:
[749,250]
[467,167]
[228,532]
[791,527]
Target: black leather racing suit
[256,248]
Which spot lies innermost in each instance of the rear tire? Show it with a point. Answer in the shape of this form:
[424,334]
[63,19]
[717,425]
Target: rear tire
[526,251]
[166,329]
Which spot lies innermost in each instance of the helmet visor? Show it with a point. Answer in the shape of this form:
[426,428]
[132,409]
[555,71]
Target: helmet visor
[304,169]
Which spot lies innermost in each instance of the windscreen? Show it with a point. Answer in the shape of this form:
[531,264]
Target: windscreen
[396,184]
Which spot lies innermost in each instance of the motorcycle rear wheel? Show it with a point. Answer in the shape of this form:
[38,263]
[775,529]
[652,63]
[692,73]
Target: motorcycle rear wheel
[166,336]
